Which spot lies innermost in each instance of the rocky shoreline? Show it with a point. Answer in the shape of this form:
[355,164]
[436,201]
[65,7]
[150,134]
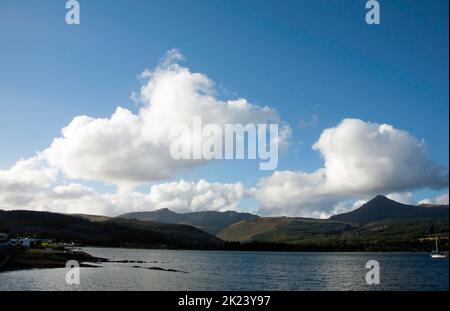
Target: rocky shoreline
[26,259]
[20,259]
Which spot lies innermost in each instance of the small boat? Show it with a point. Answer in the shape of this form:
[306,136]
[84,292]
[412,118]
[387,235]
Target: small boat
[435,254]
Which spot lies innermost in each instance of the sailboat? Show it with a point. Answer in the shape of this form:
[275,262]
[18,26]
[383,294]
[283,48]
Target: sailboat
[435,252]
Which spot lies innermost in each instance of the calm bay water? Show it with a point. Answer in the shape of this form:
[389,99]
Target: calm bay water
[210,270]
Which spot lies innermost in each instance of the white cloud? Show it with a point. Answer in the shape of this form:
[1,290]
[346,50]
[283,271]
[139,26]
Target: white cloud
[442,199]
[26,175]
[19,183]
[360,159]
[402,197]
[72,191]
[29,186]
[425,201]
[344,207]
[439,200]
[186,196]
[128,149]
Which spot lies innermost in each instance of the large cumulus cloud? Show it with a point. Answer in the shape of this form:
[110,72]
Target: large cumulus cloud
[360,159]
[128,149]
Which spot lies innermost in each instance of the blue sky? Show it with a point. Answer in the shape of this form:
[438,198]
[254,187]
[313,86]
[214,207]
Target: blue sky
[310,60]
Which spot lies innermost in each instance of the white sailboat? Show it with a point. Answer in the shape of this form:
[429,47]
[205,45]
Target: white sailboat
[435,252]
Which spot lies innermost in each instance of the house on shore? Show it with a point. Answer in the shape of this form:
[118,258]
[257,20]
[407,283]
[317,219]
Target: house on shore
[3,236]
[29,242]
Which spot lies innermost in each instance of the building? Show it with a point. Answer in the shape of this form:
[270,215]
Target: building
[3,236]
[31,242]
[27,242]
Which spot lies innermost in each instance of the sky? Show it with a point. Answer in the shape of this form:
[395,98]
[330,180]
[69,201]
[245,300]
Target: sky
[363,108]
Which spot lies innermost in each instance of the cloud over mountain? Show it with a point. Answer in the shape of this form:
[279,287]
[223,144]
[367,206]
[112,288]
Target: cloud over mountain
[360,159]
[439,200]
[129,149]
[181,196]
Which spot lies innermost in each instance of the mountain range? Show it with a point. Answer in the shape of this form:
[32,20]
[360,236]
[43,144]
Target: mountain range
[379,221]
[209,221]
[380,224]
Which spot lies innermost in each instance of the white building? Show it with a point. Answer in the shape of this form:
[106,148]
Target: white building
[27,242]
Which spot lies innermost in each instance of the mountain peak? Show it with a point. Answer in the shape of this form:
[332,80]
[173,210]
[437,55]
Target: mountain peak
[381,198]
[209,221]
[381,208]
[381,202]
[163,210]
